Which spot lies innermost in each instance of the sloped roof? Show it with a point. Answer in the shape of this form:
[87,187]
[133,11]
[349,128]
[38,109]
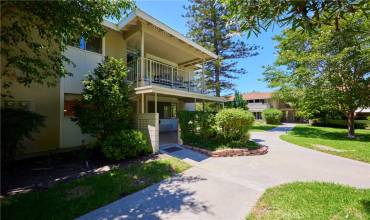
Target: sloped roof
[142,15]
[257,95]
[253,95]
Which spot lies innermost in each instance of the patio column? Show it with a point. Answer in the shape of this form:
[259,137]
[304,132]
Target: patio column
[142,57]
[195,101]
[203,84]
[142,103]
[155,103]
[204,106]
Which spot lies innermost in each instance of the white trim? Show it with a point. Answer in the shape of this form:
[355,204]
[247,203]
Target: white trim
[159,59]
[174,92]
[141,14]
[110,25]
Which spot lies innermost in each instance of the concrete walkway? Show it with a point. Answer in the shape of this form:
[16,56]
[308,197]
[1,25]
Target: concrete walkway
[228,188]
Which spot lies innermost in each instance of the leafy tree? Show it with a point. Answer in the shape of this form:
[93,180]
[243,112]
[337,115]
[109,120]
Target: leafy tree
[254,15]
[16,126]
[325,72]
[208,27]
[238,101]
[105,106]
[34,35]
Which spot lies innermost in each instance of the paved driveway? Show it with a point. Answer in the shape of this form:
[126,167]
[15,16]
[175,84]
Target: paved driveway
[228,188]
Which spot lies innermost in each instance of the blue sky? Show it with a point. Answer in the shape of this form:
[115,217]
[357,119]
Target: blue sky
[170,12]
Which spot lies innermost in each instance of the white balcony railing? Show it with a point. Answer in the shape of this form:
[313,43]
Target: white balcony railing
[162,74]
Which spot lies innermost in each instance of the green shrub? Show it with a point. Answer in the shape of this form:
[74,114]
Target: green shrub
[272,116]
[16,126]
[334,123]
[105,105]
[195,125]
[125,144]
[233,123]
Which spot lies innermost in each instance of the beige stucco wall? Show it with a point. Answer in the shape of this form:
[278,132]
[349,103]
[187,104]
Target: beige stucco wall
[148,123]
[115,45]
[45,101]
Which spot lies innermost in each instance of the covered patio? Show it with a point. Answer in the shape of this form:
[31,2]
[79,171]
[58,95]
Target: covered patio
[157,108]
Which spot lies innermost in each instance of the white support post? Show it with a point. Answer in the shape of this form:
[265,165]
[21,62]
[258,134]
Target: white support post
[203,85]
[137,73]
[150,72]
[142,57]
[189,81]
[204,106]
[172,77]
[142,103]
[155,103]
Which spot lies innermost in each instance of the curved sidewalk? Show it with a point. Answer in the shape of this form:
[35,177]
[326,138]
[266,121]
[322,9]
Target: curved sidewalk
[228,188]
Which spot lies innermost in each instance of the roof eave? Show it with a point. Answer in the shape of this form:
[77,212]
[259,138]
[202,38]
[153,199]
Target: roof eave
[141,14]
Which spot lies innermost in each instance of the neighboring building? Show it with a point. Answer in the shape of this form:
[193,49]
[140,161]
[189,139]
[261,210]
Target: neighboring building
[259,101]
[362,113]
[162,64]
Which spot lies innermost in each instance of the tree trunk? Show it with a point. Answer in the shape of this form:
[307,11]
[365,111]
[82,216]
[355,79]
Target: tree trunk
[217,80]
[351,124]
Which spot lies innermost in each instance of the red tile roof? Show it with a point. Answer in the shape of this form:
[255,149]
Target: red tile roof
[257,95]
[253,95]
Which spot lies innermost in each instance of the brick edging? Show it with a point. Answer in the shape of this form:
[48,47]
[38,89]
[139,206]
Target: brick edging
[230,152]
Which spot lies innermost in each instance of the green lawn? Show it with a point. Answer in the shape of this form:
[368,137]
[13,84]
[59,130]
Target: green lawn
[332,140]
[70,200]
[312,201]
[261,126]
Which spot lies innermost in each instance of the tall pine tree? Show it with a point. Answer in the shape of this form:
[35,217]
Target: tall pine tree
[208,27]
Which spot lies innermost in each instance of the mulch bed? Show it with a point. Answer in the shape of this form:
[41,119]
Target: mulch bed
[231,152]
[45,171]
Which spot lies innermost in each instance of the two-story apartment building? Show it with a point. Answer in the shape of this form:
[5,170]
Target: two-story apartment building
[259,101]
[164,66]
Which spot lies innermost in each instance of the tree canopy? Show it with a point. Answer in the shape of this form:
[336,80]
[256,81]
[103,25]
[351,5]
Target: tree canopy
[254,15]
[328,70]
[34,35]
[238,101]
[105,106]
[207,24]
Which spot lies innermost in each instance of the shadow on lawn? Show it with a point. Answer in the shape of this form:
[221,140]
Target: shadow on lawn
[70,200]
[366,205]
[167,197]
[322,133]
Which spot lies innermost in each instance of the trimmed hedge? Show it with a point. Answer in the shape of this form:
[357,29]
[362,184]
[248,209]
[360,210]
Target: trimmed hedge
[234,123]
[126,144]
[196,124]
[228,127]
[359,124]
[272,116]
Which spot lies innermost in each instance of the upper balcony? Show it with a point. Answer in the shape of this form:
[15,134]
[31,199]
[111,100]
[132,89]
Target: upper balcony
[161,74]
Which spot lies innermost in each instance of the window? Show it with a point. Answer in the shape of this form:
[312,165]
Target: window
[169,111]
[166,110]
[70,102]
[93,44]
[257,115]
